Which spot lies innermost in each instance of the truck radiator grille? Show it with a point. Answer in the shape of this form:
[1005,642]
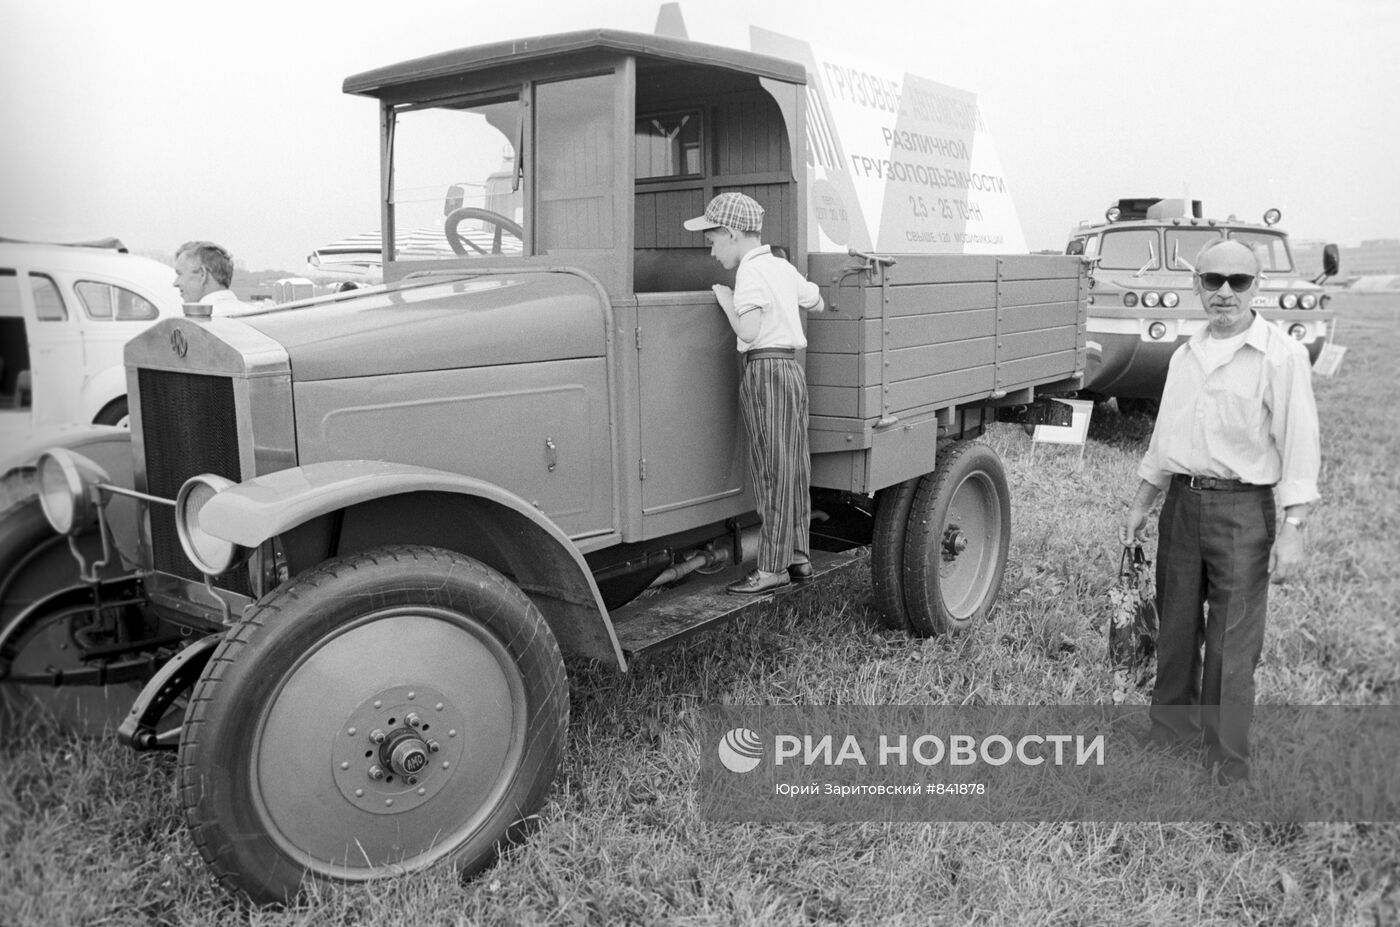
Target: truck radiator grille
[188,426]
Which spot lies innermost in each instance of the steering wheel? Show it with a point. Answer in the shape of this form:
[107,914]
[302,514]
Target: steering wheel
[461,243]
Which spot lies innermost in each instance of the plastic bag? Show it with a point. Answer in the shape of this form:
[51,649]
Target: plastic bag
[1132,632]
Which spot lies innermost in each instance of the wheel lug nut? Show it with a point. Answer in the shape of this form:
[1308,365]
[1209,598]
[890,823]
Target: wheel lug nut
[375,773]
[413,720]
[376,736]
[434,746]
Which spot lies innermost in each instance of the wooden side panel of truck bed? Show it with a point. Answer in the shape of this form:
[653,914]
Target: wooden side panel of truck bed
[906,350]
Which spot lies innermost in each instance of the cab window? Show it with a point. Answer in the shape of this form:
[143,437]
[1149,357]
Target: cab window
[1272,250]
[456,187]
[1184,244]
[1130,249]
[48,304]
[109,302]
[668,145]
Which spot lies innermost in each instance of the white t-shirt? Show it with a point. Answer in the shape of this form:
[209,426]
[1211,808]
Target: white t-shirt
[773,287]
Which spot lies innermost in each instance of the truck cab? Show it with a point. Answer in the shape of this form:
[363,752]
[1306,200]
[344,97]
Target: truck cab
[1143,303]
[349,540]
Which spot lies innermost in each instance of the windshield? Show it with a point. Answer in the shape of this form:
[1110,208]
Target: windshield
[456,190]
[1184,244]
[1271,247]
[1129,249]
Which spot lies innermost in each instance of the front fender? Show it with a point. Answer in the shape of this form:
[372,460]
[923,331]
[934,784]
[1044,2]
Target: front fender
[540,558]
[105,445]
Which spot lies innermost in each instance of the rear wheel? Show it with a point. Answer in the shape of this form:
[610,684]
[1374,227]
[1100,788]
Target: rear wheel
[956,540]
[887,552]
[383,713]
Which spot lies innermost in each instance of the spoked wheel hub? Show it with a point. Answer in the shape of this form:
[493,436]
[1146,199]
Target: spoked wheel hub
[398,748]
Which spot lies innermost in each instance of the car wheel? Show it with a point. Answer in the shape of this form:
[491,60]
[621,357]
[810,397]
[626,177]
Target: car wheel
[956,540]
[114,413]
[383,713]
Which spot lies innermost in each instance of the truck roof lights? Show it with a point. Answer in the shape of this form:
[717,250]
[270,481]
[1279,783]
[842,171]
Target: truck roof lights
[1272,217]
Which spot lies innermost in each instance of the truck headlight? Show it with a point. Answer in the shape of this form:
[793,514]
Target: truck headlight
[1170,300]
[1298,330]
[211,556]
[67,489]
[1157,331]
[1307,300]
[1288,301]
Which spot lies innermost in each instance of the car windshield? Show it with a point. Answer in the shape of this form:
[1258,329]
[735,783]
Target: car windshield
[456,182]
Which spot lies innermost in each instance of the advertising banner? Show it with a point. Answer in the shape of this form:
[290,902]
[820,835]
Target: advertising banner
[896,163]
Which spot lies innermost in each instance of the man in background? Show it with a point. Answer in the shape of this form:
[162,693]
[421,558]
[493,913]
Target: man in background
[1236,438]
[203,272]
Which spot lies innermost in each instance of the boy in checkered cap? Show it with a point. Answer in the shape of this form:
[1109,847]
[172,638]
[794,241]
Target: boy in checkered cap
[763,309]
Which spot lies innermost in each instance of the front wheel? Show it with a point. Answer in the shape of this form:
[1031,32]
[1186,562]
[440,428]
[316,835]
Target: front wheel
[383,713]
[956,540]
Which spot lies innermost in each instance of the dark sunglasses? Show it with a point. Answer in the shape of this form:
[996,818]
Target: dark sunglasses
[1238,282]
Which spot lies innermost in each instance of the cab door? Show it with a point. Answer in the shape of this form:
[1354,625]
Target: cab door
[694,450]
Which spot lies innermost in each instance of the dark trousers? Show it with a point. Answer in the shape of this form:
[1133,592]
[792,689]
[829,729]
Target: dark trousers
[773,399]
[1212,594]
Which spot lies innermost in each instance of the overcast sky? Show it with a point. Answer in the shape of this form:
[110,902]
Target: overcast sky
[159,122]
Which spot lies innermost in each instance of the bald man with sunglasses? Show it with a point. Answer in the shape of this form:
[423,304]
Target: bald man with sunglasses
[1236,440]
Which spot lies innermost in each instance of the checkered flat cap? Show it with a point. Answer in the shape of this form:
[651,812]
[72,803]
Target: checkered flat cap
[732,211]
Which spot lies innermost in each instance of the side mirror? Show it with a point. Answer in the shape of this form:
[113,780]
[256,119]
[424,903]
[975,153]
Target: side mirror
[1331,261]
[1076,246]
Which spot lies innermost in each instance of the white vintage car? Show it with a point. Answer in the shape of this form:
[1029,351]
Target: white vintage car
[66,313]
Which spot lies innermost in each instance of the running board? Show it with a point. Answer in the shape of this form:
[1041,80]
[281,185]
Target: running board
[666,616]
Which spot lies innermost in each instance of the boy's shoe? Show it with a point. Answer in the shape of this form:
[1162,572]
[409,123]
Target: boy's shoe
[758,582]
[798,572]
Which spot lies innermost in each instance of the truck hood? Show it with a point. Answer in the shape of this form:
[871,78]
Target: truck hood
[414,326]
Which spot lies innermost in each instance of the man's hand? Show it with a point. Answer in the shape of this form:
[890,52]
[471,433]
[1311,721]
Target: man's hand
[1286,557]
[1134,528]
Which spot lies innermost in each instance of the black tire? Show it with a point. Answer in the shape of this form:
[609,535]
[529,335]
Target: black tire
[34,562]
[278,757]
[114,413]
[887,552]
[956,541]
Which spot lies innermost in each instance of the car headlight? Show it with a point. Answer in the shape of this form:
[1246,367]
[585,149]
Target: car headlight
[212,556]
[66,484]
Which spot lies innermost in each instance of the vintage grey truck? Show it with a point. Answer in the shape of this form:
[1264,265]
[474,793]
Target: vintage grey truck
[341,555]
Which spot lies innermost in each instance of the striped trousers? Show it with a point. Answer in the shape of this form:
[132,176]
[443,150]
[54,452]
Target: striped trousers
[773,400]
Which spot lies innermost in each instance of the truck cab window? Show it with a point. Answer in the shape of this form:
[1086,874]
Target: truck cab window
[1271,248]
[668,146]
[456,183]
[1129,249]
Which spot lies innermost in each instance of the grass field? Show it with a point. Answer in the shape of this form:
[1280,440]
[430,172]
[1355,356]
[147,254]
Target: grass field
[91,833]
